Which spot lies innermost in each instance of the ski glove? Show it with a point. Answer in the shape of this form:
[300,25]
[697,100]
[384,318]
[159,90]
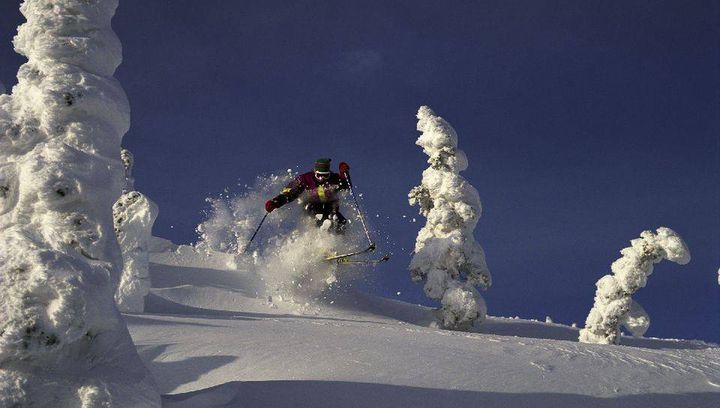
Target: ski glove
[344,168]
[270,206]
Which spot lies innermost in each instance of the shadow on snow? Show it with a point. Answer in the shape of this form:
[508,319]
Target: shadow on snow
[320,394]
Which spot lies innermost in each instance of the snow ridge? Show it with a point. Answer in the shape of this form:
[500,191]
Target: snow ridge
[210,344]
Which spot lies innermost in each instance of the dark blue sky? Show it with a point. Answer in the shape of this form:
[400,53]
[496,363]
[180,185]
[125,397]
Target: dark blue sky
[584,123]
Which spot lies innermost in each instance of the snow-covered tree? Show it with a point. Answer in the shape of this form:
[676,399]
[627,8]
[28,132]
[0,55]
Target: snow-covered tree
[128,161]
[614,306]
[62,340]
[2,88]
[133,216]
[447,257]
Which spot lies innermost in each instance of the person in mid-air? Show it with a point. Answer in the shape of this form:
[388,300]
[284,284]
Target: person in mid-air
[318,192]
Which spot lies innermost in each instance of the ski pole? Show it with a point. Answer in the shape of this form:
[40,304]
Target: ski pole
[256,231]
[357,207]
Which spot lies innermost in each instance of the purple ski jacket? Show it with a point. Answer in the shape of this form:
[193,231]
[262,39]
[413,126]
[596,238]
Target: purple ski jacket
[311,190]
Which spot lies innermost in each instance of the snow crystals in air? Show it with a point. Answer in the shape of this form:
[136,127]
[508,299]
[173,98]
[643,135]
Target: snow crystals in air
[288,253]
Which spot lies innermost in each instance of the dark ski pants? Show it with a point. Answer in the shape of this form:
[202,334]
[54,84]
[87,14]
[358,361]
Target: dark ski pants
[327,211]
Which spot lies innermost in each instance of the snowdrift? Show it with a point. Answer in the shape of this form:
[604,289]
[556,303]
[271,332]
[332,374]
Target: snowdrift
[211,339]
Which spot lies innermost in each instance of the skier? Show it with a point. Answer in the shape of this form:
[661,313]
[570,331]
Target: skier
[319,189]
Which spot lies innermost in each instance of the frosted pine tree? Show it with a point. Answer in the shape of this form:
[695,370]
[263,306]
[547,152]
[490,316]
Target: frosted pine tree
[447,257]
[63,342]
[128,161]
[133,216]
[614,306]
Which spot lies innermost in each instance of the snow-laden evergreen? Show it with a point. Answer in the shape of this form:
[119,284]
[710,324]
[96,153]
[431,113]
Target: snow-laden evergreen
[133,217]
[63,342]
[614,306]
[128,161]
[447,257]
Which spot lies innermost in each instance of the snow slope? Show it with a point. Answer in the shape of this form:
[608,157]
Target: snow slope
[211,342]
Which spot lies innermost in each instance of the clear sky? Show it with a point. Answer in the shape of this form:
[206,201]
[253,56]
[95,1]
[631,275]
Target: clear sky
[584,124]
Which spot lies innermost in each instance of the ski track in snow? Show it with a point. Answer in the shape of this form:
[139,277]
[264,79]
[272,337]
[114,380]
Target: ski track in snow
[211,342]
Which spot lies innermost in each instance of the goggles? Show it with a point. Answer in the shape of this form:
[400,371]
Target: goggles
[322,175]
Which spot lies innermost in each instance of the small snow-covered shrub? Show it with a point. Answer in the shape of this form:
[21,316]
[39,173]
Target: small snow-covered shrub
[447,257]
[614,306]
[62,341]
[133,217]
